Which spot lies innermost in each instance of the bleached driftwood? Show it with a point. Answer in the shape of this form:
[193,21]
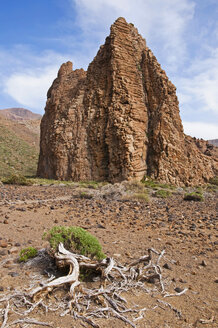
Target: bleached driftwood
[102,302]
[68,258]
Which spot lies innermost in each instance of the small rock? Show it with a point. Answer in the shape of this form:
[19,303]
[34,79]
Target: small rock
[3,252]
[203,263]
[178,289]
[21,209]
[5,221]
[13,274]
[216,280]
[1,289]
[3,244]
[100,226]
[167,266]
[13,250]
[183,281]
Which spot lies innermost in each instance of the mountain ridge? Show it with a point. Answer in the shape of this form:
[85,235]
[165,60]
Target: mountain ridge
[17,113]
[19,145]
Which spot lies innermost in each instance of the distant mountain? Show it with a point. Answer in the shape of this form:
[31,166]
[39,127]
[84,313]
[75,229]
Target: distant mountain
[19,114]
[19,141]
[213,142]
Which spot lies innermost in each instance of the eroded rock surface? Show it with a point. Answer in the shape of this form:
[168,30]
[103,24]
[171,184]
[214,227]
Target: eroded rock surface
[119,121]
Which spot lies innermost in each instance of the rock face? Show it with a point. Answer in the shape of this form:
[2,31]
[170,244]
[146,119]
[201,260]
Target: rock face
[119,120]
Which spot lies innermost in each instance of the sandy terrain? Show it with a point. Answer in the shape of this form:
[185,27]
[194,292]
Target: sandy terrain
[126,229]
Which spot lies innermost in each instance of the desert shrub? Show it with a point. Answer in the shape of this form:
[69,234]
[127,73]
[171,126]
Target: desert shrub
[212,188]
[135,186]
[150,183]
[27,253]
[75,239]
[195,196]
[85,195]
[16,179]
[162,193]
[137,196]
[141,196]
[214,181]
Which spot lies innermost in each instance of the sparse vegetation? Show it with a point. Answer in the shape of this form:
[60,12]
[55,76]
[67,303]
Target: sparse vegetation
[135,186]
[75,239]
[85,195]
[16,155]
[92,184]
[195,196]
[16,179]
[214,181]
[149,183]
[140,197]
[161,193]
[27,253]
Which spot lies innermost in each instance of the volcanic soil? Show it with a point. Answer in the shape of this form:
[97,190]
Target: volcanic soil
[186,230]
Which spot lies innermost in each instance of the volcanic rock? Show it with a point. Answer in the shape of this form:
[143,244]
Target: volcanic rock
[119,120]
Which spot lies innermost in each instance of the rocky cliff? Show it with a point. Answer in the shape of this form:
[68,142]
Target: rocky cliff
[119,120]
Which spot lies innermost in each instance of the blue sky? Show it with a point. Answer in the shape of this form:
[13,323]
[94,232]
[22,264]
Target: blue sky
[37,36]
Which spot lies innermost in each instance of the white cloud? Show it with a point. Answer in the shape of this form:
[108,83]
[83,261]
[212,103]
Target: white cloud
[202,130]
[30,88]
[162,23]
[200,88]
[27,76]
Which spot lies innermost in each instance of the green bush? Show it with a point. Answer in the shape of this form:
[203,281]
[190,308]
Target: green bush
[85,195]
[27,253]
[195,196]
[214,181]
[163,193]
[16,179]
[75,239]
[150,183]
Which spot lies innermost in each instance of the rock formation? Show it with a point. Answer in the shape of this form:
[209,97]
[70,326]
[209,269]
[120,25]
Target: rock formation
[119,120]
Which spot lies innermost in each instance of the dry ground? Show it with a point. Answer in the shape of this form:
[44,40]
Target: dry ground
[126,229]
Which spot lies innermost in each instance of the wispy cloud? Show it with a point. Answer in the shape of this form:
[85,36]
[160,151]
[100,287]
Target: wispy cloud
[30,88]
[26,75]
[162,23]
[186,47]
[202,130]
[198,90]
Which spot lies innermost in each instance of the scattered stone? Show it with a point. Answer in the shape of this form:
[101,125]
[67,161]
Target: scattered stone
[13,274]
[178,289]
[100,226]
[21,209]
[3,244]
[203,263]
[13,250]
[167,266]
[3,252]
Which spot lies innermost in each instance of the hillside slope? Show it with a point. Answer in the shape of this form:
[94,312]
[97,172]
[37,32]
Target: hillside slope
[17,114]
[213,142]
[19,145]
